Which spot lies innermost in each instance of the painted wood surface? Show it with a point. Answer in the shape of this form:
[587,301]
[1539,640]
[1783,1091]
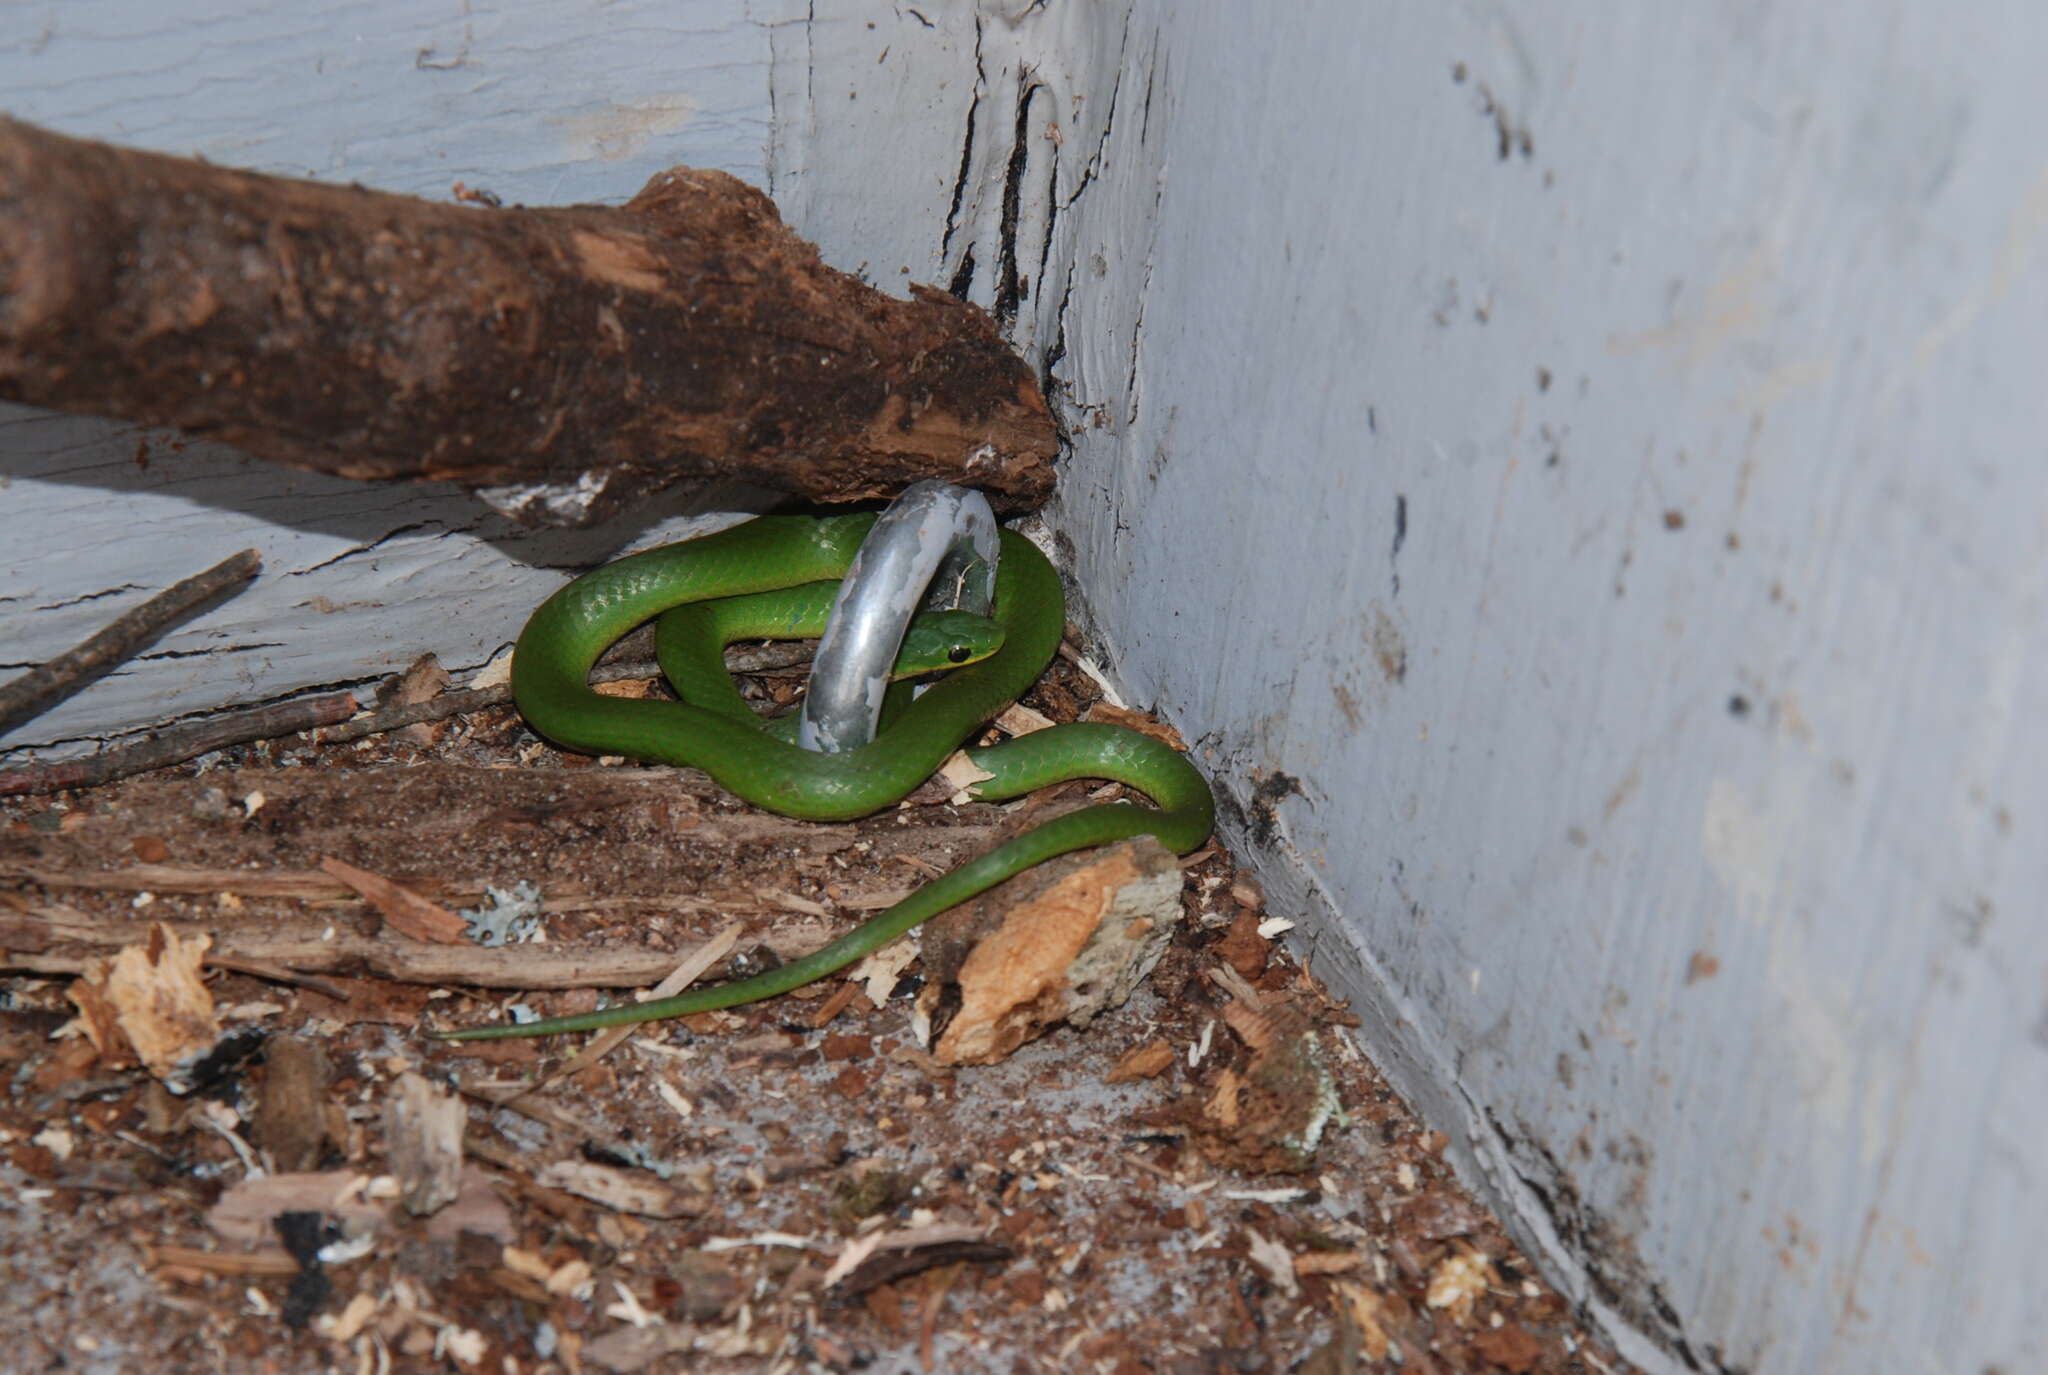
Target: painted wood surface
[1580,474]
[537,103]
[1576,473]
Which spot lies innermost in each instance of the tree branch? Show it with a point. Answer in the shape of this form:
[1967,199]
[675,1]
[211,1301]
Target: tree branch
[563,361]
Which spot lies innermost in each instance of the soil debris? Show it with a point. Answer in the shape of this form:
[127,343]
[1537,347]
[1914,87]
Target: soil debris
[1209,1175]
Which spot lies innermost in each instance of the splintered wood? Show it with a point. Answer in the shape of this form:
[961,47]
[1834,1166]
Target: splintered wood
[151,1000]
[1060,942]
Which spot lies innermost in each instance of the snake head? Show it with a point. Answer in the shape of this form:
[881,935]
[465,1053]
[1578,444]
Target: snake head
[946,639]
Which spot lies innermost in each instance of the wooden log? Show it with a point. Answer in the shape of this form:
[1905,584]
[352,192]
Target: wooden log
[563,362]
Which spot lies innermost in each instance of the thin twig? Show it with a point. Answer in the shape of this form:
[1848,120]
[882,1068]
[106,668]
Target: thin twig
[260,969]
[178,744]
[412,713]
[222,1262]
[39,689]
[315,947]
[684,974]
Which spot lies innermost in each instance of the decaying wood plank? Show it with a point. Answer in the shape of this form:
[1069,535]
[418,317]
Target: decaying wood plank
[634,844]
[563,361]
[47,939]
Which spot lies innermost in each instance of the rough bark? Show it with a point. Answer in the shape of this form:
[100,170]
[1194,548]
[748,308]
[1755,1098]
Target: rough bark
[563,361]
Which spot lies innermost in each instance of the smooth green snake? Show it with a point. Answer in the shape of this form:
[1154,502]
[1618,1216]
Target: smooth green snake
[712,728]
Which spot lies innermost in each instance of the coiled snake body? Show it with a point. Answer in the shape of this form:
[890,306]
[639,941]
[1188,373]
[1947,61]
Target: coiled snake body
[714,731]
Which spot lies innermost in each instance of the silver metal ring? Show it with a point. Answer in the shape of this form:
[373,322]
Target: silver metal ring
[935,547]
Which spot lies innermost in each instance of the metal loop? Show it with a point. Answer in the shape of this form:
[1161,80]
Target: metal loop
[935,547]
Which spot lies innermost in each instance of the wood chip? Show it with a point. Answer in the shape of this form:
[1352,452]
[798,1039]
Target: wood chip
[1273,1258]
[244,1214]
[1061,942]
[963,775]
[291,1116]
[834,1005]
[1018,719]
[477,1210]
[158,1000]
[344,1326]
[1458,1282]
[527,1263]
[1148,1061]
[408,912]
[880,971]
[635,689]
[1233,983]
[1246,951]
[619,1189]
[1327,1262]
[423,1143]
[423,681]
[1138,721]
[628,1349]
[846,1047]
[882,1257]
[1367,1313]
[1509,1346]
[221,1262]
[1252,1026]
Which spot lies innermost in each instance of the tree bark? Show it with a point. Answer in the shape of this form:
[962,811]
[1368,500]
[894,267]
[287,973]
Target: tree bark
[564,362]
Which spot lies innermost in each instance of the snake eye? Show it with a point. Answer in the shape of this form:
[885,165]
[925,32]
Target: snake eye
[959,654]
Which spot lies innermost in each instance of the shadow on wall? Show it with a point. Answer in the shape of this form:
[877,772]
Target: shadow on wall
[143,467]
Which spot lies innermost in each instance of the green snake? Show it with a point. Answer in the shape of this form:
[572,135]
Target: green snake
[712,728]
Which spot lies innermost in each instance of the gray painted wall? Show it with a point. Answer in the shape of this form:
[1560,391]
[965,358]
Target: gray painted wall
[1572,470]
[1587,463]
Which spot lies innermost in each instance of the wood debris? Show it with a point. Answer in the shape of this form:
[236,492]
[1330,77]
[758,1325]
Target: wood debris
[1017,719]
[680,1202]
[1459,1281]
[1111,714]
[884,1257]
[423,1143]
[292,1117]
[246,1214]
[408,912]
[1148,1061]
[619,1189]
[1059,943]
[1269,1110]
[151,999]
[423,680]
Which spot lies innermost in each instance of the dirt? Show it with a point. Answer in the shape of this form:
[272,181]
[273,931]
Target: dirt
[1213,1178]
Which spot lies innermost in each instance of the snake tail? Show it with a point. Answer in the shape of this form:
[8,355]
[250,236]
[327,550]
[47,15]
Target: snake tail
[1181,822]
